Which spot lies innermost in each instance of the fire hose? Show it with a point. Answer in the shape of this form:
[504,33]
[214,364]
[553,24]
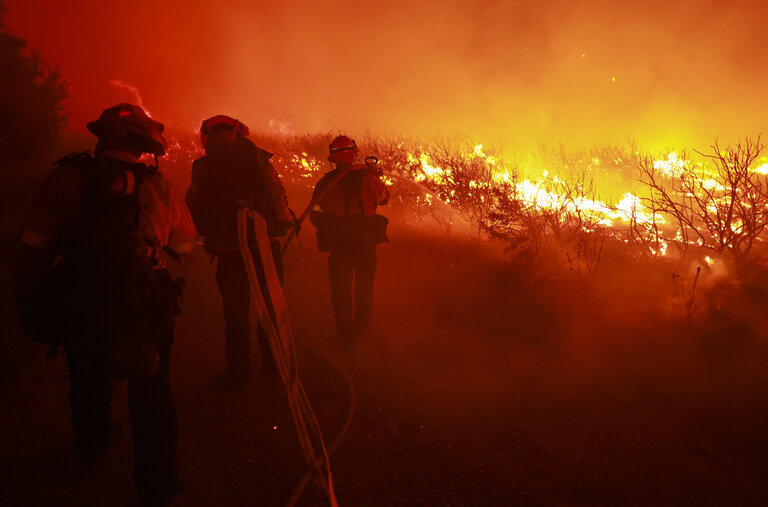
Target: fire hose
[296,494]
[312,473]
[280,336]
[369,162]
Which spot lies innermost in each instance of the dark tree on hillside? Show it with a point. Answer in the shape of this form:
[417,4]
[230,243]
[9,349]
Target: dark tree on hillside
[31,96]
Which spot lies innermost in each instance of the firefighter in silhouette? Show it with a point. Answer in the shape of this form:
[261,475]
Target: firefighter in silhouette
[90,275]
[349,229]
[235,173]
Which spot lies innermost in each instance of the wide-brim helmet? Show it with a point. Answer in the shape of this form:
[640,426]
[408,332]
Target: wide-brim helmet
[220,122]
[124,119]
[342,150]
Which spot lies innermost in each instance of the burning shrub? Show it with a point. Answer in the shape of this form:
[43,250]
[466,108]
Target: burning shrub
[448,181]
[719,204]
[555,214]
[547,210]
[552,220]
[613,165]
[552,217]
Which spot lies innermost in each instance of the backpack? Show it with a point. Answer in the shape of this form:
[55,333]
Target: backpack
[223,182]
[117,306]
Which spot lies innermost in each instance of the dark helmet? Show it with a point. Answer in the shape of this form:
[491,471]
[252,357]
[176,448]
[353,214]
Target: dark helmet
[122,119]
[218,123]
[342,149]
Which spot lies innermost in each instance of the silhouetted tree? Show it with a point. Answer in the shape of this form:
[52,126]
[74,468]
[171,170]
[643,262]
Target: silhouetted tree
[31,96]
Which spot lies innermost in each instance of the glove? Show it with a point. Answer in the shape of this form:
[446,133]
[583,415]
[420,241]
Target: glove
[282,228]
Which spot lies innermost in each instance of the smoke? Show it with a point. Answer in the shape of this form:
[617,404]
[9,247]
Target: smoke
[134,91]
[514,73]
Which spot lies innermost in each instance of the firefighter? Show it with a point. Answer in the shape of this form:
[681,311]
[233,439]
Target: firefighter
[90,274]
[349,229]
[235,173]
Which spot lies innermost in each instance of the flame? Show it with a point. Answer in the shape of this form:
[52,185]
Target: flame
[545,187]
[309,166]
[672,167]
[540,191]
[428,170]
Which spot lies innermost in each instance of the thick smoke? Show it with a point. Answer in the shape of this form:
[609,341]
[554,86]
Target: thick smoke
[513,73]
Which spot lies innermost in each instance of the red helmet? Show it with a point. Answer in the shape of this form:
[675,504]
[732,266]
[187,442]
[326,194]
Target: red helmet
[127,118]
[218,123]
[342,150]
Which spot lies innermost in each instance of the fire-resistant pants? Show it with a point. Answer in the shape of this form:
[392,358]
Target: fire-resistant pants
[236,297]
[346,265]
[153,416]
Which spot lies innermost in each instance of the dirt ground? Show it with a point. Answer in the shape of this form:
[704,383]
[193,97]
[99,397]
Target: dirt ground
[479,383]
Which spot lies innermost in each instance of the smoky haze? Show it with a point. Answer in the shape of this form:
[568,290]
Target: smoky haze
[517,73]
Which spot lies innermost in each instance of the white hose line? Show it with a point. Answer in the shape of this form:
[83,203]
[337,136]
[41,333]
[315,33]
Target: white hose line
[294,498]
[315,199]
[280,337]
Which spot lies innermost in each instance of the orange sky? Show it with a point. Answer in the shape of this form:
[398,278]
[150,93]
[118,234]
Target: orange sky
[502,72]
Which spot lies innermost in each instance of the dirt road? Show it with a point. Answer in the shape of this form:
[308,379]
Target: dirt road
[479,383]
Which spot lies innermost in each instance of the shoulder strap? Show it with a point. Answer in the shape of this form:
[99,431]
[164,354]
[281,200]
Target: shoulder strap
[123,180]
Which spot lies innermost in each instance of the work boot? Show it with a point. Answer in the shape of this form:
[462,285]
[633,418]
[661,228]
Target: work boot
[231,383]
[159,496]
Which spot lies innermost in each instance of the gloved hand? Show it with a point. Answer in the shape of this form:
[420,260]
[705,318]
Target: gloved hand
[282,228]
[317,217]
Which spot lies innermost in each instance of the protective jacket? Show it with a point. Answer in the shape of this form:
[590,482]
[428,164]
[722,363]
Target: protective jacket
[345,216]
[164,220]
[230,176]
[95,227]
[359,192]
